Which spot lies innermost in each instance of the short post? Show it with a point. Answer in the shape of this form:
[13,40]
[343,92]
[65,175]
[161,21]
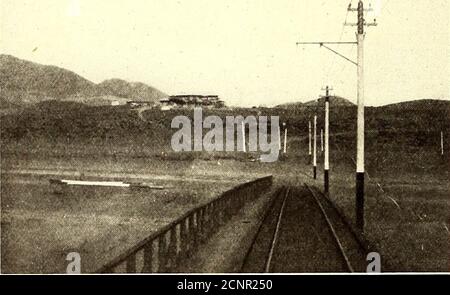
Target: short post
[148,258]
[279,138]
[321,140]
[172,249]
[442,143]
[131,264]
[243,137]
[184,235]
[309,141]
[201,223]
[192,231]
[162,253]
[285,138]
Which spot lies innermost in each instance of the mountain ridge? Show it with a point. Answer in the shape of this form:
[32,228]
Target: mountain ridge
[24,82]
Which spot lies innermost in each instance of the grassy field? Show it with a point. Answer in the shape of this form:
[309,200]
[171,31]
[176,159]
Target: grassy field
[407,212]
[407,189]
[39,226]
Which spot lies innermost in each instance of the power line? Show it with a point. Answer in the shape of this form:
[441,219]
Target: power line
[331,68]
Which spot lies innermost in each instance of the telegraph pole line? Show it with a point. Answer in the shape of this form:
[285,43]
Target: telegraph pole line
[361,23]
[326,165]
[360,169]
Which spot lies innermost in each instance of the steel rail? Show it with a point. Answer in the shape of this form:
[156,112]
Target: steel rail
[333,231]
[276,234]
[266,215]
[363,242]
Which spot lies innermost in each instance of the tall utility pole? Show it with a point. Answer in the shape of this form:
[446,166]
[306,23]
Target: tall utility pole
[315,148]
[326,164]
[360,170]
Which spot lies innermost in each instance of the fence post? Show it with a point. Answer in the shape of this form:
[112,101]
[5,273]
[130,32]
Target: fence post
[148,257]
[184,233]
[201,219]
[131,263]
[172,249]
[194,228]
[213,216]
[201,224]
[162,253]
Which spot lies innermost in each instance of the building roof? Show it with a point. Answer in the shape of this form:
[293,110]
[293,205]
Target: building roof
[192,95]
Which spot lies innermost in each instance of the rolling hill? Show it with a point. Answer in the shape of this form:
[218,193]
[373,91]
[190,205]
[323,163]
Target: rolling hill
[334,100]
[23,83]
[421,104]
[135,90]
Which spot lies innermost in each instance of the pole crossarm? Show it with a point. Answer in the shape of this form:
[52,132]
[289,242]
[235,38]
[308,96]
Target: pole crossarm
[329,88]
[321,43]
[373,24]
[350,8]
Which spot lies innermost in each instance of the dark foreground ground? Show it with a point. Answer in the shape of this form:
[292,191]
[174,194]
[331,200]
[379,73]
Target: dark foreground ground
[407,187]
[407,217]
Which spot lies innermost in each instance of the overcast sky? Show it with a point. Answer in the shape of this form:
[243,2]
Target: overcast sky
[244,50]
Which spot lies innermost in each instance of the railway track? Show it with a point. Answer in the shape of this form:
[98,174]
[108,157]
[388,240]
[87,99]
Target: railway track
[302,231]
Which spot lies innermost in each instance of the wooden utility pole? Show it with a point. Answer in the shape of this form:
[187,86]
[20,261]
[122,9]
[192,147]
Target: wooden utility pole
[279,138]
[360,170]
[285,138]
[309,141]
[315,148]
[243,137]
[326,164]
[321,140]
